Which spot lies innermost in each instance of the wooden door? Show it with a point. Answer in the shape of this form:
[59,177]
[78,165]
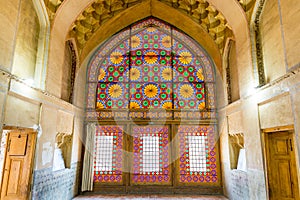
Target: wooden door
[282,174]
[18,165]
[150,162]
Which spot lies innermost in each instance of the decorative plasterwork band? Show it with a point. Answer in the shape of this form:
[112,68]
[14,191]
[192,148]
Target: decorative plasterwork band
[258,45]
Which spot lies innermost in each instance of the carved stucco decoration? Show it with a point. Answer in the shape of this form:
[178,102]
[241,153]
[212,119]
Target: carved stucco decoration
[248,6]
[102,10]
[52,6]
[199,10]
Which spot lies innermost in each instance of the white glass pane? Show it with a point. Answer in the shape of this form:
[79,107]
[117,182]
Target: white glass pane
[104,153]
[150,154]
[197,154]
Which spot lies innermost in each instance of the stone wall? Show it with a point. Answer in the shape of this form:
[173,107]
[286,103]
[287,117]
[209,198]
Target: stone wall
[49,185]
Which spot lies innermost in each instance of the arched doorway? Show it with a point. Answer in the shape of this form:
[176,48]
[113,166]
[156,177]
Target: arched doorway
[151,103]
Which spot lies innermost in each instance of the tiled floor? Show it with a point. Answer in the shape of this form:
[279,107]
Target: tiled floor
[154,197]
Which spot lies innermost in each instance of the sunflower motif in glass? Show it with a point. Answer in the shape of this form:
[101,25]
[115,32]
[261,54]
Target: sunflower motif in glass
[201,105]
[101,75]
[134,74]
[186,91]
[135,41]
[167,74]
[151,57]
[115,91]
[116,57]
[199,75]
[150,91]
[100,105]
[166,42]
[185,57]
[134,105]
[167,105]
[151,29]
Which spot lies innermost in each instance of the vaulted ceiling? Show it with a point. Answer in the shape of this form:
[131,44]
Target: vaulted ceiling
[97,13]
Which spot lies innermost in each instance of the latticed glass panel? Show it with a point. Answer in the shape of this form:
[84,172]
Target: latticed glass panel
[145,68]
[150,95]
[112,95]
[197,161]
[108,163]
[156,66]
[151,154]
[189,95]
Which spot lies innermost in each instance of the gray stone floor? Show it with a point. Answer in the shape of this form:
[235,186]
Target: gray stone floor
[155,197]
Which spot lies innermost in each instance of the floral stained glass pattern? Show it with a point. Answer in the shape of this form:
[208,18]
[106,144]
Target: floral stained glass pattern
[112,95]
[197,162]
[152,69]
[108,154]
[145,68]
[151,154]
[151,95]
[189,96]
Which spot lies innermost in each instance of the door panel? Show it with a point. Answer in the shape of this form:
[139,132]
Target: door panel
[197,156]
[18,165]
[14,176]
[283,183]
[151,156]
[108,155]
[17,146]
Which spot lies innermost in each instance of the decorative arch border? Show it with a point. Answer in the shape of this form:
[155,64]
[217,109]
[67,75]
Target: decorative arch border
[101,54]
[69,10]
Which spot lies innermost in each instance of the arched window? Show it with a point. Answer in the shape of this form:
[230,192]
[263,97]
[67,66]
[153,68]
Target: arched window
[151,88]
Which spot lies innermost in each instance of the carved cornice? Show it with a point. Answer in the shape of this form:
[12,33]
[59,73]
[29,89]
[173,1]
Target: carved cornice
[101,10]
[205,14]
[248,6]
[258,45]
[52,6]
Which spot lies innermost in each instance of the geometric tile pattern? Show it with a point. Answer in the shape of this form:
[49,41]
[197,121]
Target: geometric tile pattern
[108,154]
[197,162]
[151,65]
[151,154]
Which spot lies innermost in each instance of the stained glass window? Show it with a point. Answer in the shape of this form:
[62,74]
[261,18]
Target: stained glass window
[152,70]
[108,154]
[151,154]
[152,65]
[197,162]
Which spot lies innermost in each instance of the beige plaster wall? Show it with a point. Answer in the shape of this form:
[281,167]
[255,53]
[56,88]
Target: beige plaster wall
[295,92]
[234,78]
[25,51]
[276,112]
[272,44]
[21,112]
[46,139]
[4,84]
[8,22]
[65,122]
[66,74]
[235,123]
[290,12]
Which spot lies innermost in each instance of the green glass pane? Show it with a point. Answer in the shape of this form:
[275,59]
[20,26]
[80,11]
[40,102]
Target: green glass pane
[145,103]
[111,69]
[191,79]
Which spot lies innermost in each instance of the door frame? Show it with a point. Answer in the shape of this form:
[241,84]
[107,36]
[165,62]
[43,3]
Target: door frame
[32,163]
[264,141]
[173,188]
